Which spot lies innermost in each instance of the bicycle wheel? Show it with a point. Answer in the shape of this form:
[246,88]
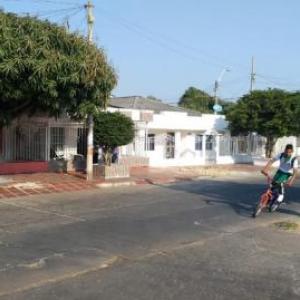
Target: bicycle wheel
[274,206]
[264,200]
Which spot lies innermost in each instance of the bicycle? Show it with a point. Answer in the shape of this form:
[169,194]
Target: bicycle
[270,198]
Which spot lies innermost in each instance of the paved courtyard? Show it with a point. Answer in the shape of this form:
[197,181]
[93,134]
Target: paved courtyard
[188,240]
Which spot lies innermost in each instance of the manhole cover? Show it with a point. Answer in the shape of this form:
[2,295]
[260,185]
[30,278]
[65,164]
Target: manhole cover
[287,226]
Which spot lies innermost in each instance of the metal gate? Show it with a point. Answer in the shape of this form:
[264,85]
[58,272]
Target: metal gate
[25,143]
[210,149]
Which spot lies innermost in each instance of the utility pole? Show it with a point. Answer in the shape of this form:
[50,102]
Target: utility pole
[216,88]
[253,75]
[90,138]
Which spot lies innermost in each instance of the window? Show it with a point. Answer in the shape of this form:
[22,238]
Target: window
[57,141]
[150,142]
[209,142]
[198,142]
[170,145]
[82,141]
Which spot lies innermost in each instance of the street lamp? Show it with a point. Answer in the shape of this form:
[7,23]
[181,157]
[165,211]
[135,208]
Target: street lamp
[218,108]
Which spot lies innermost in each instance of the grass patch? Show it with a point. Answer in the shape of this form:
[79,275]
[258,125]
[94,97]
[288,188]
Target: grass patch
[287,226]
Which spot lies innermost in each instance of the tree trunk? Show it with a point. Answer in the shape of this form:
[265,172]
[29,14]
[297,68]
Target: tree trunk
[269,146]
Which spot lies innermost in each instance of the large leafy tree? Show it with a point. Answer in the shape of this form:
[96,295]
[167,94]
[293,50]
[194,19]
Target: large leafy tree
[271,113]
[45,68]
[199,100]
[112,130]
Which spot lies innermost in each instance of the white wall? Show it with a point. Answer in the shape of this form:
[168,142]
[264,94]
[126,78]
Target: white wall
[282,142]
[185,153]
[181,121]
[185,128]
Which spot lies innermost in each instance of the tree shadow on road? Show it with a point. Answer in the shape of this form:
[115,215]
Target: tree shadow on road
[240,196]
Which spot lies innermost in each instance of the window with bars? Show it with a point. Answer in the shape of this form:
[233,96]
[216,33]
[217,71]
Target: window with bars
[150,142]
[170,145]
[198,142]
[210,142]
[57,141]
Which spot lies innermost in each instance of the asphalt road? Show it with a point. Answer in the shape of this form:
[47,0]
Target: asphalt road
[193,240]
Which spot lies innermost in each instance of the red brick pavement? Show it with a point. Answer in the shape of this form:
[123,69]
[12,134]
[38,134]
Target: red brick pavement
[43,183]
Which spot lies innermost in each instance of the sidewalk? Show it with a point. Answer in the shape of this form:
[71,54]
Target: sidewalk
[41,183]
[46,183]
[175,174]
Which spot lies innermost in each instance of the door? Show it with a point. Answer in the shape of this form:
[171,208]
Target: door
[170,145]
[210,147]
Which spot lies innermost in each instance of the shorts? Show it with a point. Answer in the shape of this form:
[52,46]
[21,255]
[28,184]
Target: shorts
[281,177]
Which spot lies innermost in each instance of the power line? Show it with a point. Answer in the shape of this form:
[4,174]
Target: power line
[56,11]
[65,3]
[161,38]
[156,41]
[163,41]
[275,81]
[66,14]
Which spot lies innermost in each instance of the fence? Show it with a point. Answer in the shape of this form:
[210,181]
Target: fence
[41,143]
[252,145]
[228,145]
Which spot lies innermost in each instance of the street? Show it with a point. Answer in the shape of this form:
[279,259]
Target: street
[190,240]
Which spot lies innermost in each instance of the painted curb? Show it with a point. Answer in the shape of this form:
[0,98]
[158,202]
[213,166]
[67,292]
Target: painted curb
[115,184]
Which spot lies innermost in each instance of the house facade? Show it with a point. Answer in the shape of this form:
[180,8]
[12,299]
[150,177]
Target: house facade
[173,136]
[166,135]
[35,144]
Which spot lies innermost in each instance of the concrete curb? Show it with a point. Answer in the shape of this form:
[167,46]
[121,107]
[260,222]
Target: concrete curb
[207,173]
[115,184]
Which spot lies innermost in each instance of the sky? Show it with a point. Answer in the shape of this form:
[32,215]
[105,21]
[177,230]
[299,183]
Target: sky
[162,47]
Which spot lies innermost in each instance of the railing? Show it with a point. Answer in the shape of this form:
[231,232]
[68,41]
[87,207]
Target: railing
[252,145]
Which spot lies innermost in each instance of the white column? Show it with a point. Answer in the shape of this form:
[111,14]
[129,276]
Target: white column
[217,147]
[140,142]
[204,148]
[177,145]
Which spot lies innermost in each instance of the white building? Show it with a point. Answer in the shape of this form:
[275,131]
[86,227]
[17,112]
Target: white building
[165,136]
[173,136]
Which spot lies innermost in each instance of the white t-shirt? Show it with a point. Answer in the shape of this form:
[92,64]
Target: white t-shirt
[286,163]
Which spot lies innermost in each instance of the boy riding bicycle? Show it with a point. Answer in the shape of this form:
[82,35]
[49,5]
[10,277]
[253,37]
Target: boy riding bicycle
[287,172]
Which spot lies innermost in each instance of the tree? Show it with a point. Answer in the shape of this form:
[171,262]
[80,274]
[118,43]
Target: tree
[45,68]
[271,113]
[151,97]
[112,130]
[199,100]
[196,99]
